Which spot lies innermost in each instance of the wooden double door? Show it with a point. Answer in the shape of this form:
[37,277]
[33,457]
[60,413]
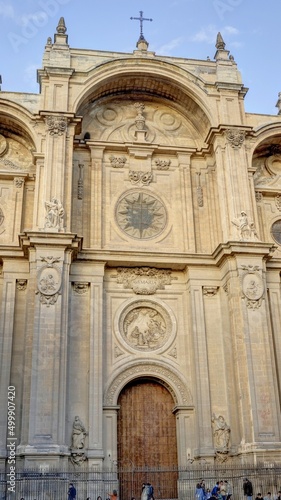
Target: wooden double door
[147,443]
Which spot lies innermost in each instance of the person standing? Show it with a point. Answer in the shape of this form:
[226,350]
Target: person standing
[248,489]
[71,492]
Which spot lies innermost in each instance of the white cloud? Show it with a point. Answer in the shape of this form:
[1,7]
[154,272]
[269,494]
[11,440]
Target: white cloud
[168,48]
[209,33]
[230,30]
[7,11]
[29,77]
[38,18]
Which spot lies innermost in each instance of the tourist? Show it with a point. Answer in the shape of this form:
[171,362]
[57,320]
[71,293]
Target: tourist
[259,497]
[71,492]
[248,489]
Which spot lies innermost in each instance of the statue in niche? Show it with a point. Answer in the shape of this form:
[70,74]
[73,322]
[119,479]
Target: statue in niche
[246,229]
[78,434]
[221,433]
[54,214]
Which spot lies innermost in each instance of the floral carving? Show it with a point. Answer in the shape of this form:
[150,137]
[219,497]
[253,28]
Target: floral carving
[57,125]
[162,164]
[144,178]
[18,182]
[235,137]
[144,280]
[259,196]
[117,162]
[21,285]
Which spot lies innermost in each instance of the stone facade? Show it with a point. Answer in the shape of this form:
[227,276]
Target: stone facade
[140,237]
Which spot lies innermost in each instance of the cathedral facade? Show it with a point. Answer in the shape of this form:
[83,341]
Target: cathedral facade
[140,259]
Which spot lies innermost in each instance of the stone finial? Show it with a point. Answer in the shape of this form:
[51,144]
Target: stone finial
[278,104]
[142,44]
[61,28]
[49,41]
[220,45]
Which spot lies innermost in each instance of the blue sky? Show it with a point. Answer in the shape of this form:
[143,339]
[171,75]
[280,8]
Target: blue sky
[180,28]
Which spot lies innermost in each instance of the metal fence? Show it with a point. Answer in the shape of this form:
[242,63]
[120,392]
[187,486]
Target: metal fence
[169,484]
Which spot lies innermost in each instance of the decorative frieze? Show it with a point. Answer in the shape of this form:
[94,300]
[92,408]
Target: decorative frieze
[137,177]
[117,162]
[144,280]
[56,125]
[162,164]
[21,284]
[235,137]
[49,281]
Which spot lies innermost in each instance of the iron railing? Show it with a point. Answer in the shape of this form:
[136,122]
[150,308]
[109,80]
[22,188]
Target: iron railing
[168,483]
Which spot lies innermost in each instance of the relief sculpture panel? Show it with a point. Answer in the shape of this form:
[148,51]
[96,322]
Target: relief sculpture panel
[145,326]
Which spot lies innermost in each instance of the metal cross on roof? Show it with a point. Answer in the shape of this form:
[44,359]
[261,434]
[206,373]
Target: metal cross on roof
[141,19]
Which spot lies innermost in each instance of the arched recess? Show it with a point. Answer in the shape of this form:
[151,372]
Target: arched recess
[167,81]
[155,372]
[166,376]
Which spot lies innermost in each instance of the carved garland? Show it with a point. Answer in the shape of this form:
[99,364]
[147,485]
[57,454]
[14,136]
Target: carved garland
[235,137]
[166,377]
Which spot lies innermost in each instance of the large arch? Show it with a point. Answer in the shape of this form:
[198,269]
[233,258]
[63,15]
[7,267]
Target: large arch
[167,81]
[153,370]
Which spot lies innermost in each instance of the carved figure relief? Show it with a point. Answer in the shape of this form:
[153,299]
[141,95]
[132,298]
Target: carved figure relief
[145,326]
[143,178]
[49,281]
[221,435]
[54,214]
[79,434]
[140,215]
[235,137]
[144,280]
[246,229]
[252,286]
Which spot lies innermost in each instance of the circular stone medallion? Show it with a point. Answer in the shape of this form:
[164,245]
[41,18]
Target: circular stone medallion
[276,231]
[141,215]
[146,326]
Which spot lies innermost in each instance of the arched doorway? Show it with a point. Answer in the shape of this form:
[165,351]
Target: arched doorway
[147,444]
